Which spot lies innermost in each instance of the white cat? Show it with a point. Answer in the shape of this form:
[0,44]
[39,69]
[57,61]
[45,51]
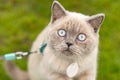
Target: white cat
[71,48]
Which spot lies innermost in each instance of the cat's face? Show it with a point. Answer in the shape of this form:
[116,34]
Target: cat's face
[71,35]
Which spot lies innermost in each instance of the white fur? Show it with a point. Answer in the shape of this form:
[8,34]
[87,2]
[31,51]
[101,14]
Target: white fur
[41,67]
[51,67]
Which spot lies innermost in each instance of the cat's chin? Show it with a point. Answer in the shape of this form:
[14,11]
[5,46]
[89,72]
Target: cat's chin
[64,53]
[67,53]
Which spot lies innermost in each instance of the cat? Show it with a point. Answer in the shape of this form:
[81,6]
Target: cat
[71,38]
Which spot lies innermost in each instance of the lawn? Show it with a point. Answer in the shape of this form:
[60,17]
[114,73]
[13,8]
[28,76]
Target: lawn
[22,20]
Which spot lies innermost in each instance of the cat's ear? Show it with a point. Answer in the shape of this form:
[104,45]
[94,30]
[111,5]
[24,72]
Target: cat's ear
[95,21]
[58,11]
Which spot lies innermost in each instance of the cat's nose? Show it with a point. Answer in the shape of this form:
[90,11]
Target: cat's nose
[69,44]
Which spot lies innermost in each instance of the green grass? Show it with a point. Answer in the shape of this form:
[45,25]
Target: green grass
[22,20]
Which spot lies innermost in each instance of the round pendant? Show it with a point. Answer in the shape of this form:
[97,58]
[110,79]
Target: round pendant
[72,70]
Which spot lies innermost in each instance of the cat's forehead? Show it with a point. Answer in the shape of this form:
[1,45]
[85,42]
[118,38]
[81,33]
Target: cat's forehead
[73,25]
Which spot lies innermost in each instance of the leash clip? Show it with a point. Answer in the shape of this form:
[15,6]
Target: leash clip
[20,55]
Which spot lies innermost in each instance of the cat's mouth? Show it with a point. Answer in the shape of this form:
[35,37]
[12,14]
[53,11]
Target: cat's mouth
[67,52]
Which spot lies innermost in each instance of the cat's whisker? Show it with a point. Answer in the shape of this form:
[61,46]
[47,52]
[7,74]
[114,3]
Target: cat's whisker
[75,51]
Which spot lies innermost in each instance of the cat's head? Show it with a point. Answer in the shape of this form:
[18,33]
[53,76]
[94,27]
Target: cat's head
[73,34]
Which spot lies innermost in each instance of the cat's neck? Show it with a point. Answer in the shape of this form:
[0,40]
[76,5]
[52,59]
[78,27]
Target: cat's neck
[60,64]
[55,63]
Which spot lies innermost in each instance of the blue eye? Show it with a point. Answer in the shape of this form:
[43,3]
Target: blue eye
[61,33]
[82,37]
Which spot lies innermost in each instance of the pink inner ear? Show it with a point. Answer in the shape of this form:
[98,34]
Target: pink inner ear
[96,21]
[57,11]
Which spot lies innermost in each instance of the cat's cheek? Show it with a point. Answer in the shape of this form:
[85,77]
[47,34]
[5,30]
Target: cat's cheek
[81,45]
[89,47]
[53,41]
[84,47]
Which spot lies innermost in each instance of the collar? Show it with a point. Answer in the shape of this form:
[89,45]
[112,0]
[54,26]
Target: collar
[42,48]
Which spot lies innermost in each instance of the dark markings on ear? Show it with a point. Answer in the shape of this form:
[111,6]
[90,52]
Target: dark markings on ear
[57,11]
[96,21]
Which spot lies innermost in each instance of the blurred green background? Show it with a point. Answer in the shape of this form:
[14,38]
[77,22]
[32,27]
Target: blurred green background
[22,20]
